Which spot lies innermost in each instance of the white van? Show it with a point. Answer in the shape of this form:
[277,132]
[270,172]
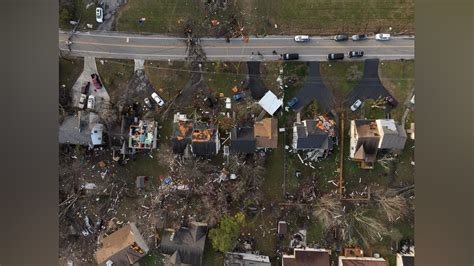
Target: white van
[382,37]
[301,38]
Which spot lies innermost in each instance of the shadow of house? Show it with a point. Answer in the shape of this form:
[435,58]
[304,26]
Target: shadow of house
[254,80]
[123,247]
[242,139]
[370,87]
[185,246]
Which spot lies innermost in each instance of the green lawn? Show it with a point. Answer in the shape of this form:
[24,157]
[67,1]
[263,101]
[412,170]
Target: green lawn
[69,70]
[341,77]
[223,76]
[74,11]
[167,79]
[115,74]
[399,78]
[162,16]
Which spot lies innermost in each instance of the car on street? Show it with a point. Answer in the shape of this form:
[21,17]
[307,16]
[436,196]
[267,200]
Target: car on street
[337,56]
[359,37]
[301,38]
[391,101]
[82,101]
[157,99]
[355,54]
[356,105]
[382,37]
[91,102]
[341,37]
[99,14]
[292,103]
[85,87]
[291,56]
[148,103]
[96,81]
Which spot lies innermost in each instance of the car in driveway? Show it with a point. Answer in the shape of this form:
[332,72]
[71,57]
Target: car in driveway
[99,14]
[96,81]
[355,54]
[301,38]
[356,105]
[341,37]
[359,37]
[157,99]
[337,56]
[148,103]
[382,37]
[91,102]
[82,101]
[292,103]
[291,56]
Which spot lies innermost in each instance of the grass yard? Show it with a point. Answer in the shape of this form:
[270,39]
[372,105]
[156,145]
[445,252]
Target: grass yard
[399,79]
[115,74]
[69,70]
[162,16]
[223,76]
[75,10]
[167,79]
[341,77]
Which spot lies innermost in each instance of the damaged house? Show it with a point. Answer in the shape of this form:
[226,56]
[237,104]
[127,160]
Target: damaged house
[266,133]
[368,137]
[143,135]
[307,257]
[123,247]
[246,259]
[200,138]
[184,246]
[314,136]
[242,138]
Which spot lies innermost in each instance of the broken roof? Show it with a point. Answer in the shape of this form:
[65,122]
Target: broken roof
[307,257]
[122,247]
[270,102]
[186,245]
[266,133]
[309,136]
[242,138]
[246,259]
[362,261]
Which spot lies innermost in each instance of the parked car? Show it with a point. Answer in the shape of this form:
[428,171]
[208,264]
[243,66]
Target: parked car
[99,14]
[341,37]
[157,99]
[356,105]
[82,101]
[359,37]
[91,102]
[148,103]
[227,103]
[391,101]
[291,56]
[382,37]
[96,81]
[85,87]
[338,56]
[355,54]
[237,96]
[301,38]
[292,103]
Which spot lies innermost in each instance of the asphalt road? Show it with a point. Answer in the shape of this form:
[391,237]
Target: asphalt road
[161,47]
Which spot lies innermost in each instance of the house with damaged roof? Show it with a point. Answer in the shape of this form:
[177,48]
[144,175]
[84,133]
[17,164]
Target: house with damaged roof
[368,137]
[315,135]
[246,259]
[266,133]
[199,138]
[307,257]
[184,246]
[123,247]
[242,138]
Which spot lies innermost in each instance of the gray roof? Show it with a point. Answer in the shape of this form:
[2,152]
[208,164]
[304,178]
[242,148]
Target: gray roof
[311,137]
[187,245]
[242,139]
[77,129]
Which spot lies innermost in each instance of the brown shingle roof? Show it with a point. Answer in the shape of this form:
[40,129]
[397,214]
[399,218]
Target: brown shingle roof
[307,257]
[266,133]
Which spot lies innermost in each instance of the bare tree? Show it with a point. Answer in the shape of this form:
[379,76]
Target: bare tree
[328,211]
[367,227]
[393,207]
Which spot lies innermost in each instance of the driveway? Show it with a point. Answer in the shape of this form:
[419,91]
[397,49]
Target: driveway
[254,81]
[314,89]
[110,11]
[370,86]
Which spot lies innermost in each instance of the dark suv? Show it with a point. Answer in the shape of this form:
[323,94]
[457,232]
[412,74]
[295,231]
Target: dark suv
[341,37]
[291,56]
[359,37]
[338,56]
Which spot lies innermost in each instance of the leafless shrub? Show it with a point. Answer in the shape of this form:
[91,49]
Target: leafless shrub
[393,207]
[328,211]
[367,227]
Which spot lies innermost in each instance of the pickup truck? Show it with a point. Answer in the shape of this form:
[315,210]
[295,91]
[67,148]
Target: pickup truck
[96,81]
[82,101]
[85,87]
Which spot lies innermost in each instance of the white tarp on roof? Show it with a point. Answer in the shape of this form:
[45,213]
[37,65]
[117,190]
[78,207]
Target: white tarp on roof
[270,102]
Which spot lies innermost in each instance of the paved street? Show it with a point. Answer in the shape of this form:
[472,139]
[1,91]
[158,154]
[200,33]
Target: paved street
[161,47]
[370,86]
